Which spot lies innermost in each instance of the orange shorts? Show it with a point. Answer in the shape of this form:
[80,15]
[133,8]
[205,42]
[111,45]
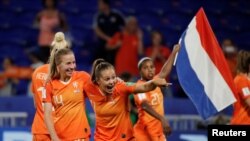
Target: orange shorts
[41,137]
[143,133]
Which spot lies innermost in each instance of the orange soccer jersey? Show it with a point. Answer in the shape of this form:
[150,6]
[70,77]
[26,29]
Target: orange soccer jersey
[112,114]
[39,77]
[70,119]
[241,113]
[147,126]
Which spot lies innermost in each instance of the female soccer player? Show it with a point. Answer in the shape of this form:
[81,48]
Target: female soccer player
[241,110]
[109,99]
[151,124]
[39,77]
[64,92]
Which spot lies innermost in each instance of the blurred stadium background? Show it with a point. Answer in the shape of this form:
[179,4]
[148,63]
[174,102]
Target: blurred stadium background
[228,18]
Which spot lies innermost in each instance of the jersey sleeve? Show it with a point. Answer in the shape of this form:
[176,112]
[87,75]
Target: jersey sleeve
[126,88]
[47,93]
[86,77]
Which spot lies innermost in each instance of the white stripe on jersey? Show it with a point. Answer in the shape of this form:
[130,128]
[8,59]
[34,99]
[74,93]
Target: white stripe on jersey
[141,96]
[246,91]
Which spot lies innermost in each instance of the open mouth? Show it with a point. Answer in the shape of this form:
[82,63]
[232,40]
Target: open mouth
[110,88]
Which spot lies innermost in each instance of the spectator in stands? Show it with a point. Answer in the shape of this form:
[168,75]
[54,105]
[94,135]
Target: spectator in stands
[49,20]
[241,108]
[64,92]
[130,45]
[159,53]
[39,77]
[109,99]
[230,52]
[107,22]
[8,82]
[12,75]
[152,125]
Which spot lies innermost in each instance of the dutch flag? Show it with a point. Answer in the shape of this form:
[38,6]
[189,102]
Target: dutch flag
[202,70]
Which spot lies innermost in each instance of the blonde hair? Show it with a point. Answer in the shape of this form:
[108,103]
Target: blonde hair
[59,43]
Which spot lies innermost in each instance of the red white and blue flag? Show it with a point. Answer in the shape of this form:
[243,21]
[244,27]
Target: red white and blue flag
[202,69]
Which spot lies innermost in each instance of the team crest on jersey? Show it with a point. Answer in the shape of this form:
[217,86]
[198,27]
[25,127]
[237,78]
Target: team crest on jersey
[76,89]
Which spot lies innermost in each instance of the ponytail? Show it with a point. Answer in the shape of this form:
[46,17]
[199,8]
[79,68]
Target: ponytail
[98,66]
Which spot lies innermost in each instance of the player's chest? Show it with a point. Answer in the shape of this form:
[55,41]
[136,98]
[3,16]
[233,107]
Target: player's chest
[72,92]
[109,106]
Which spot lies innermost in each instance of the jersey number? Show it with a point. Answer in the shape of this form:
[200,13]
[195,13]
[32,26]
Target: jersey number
[155,99]
[42,91]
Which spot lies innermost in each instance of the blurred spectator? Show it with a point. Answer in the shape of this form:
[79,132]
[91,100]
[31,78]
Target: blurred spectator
[230,52]
[35,61]
[11,76]
[49,20]
[5,2]
[107,22]
[130,45]
[159,53]
[7,84]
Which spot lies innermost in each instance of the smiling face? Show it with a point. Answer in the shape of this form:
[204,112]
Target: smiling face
[67,66]
[147,70]
[107,80]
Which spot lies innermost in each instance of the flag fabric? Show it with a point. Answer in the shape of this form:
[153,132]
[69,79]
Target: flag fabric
[202,69]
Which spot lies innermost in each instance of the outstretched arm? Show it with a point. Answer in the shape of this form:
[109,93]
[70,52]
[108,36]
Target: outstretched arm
[150,85]
[167,67]
[166,128]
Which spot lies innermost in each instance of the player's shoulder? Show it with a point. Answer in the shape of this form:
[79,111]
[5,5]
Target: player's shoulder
[240,78]
[121,83]
[42,71]
[42,68]
[82,74]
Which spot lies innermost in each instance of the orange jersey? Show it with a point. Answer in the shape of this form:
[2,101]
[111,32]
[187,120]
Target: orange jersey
[70,120]
[112,114]
[155,99]
[38,80]
[241,113]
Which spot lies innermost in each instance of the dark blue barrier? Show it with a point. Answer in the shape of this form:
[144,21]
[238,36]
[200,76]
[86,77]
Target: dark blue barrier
[23,134]
[25,104]
[18,104]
